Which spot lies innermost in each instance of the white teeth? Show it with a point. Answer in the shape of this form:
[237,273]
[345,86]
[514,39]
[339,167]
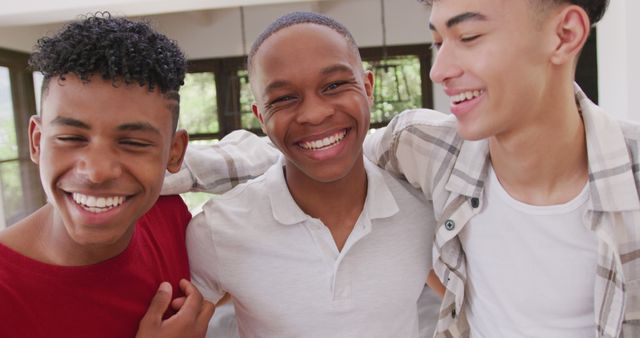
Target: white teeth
[325,142]
[97,204]
[468,95]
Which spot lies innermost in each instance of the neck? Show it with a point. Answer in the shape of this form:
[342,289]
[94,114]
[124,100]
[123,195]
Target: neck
[337,204]
[544,161]
[54,245]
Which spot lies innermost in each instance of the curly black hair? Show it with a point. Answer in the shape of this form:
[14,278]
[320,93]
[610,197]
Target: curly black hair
[116,49]
[594,8]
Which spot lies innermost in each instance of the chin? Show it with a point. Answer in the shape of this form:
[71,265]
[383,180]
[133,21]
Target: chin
[471,134]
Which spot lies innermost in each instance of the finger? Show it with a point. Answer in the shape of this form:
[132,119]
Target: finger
[193,301]
[206,312]
[177,303]
[159,303]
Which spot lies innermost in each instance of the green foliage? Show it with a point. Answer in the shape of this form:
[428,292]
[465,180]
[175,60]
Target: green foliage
[11,189]
[198,104]
[397,86]
[249,121]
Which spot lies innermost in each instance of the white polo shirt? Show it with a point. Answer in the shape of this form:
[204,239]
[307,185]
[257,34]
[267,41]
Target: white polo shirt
[286,276]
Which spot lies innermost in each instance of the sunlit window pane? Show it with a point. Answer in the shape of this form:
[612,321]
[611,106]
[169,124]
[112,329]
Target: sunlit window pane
[12,192]
[249,121]
[397,86]
[198,105]
[37,88]
[8,145]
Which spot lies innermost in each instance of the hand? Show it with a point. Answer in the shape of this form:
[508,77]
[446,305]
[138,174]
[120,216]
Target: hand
[190,321]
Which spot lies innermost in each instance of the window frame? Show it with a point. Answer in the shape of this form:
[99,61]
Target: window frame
[24,105]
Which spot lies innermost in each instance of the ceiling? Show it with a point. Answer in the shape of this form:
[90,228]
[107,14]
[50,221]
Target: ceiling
[34,12]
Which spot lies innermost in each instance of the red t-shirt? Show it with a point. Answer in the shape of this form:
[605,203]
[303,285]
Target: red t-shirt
[107,299]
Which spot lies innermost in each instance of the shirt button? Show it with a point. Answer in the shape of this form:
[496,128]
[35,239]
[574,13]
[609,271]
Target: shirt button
[475,202]
[449,224]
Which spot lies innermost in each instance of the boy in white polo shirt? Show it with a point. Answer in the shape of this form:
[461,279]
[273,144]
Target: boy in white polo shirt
[325,244]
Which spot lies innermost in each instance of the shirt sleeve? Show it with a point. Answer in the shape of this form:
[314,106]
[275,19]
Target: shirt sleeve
[217,168]
[203,258]
[413,146]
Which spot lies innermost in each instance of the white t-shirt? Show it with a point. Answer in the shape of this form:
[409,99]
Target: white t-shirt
[286,276]
[531,269]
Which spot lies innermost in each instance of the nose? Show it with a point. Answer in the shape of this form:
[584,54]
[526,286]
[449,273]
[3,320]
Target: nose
[99,164]
[445,65]
[315,109]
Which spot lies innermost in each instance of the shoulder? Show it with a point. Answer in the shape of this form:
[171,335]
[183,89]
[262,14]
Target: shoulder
[631,132]
[169,213]
[426,119]
[252,191]
[406,195]
[172,206]
[235,207]
[20,237]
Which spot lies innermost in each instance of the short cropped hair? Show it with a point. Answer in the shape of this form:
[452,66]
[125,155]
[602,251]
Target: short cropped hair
[295,18]
[115,49]
[594,8]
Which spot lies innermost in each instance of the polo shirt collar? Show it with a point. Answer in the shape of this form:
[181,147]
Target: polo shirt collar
[379,202]
[284,207]
[612,186]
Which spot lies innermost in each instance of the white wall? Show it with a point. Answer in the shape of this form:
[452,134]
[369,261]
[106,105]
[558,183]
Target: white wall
[618,55]
[217,33]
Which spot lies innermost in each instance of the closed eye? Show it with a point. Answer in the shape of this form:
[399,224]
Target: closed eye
[71,138]
[134,143]
[281,99]
[469,38]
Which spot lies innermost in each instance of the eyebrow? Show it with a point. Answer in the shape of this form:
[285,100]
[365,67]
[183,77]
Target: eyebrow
[135,126]
[138,126]
[337,68]
[460,18]
[71,122]
[324,71]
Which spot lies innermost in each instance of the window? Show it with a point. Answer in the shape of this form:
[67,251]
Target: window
[249,121]
[20,189]
[397,86]
[198,106]
[9,181]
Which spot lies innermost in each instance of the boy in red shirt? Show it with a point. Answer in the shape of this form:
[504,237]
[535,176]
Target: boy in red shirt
[88,263]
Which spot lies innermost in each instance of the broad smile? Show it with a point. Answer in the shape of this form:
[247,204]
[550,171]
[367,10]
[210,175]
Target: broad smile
[466,96]
[325,142]
[97,204]
[464,100]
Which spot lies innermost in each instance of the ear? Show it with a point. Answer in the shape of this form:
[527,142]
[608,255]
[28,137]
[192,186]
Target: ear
[178,148]
[35,136]
[572,30]
[256,113]
[369,79]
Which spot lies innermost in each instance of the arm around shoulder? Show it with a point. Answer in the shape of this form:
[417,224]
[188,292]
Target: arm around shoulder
[413,145]
[216,168]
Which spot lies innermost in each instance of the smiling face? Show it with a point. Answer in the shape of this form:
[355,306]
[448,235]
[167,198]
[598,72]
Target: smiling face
[102,152]
[493,62]
[313,100]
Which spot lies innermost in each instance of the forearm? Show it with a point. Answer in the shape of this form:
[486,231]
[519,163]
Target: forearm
[217,168]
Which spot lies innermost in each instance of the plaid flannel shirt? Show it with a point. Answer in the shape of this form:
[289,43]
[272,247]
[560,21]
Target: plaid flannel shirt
[422,145]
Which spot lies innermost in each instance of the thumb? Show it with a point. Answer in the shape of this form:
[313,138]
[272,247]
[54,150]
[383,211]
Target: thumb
[159,304]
